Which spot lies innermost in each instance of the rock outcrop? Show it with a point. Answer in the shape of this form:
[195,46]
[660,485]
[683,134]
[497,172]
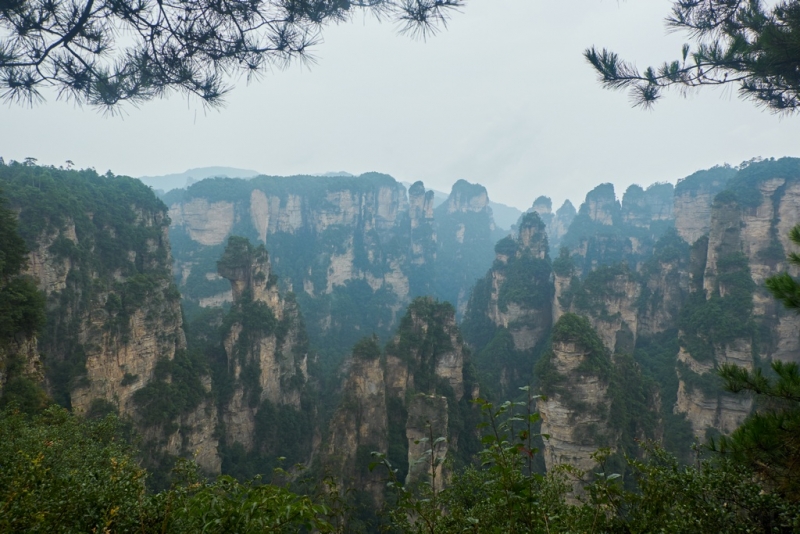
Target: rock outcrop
[114,320]
[575,376]
[509,312]
[392,401]
[266,359]
[693,198]
[355,250]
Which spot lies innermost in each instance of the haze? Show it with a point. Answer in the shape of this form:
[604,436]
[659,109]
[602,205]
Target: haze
[502,97]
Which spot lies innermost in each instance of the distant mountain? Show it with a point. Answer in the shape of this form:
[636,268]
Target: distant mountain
[168,182]
[504,216]
[335,174]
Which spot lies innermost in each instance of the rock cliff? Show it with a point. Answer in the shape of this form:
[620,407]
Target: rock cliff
[355,250]
[266,358]
[509,314]
[575,377]
[693,197]
[99,249]
[392,399]
[730,311]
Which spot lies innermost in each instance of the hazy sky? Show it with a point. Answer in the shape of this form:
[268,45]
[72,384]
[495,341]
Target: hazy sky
[503,97]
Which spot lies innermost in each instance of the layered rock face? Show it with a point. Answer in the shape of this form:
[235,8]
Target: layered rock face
[394,398]
[608,298]
[693,198]
[360,424]
[143,306]
[606,231]
[113,313]
[557,223]
[266,359]
[574,415]
[643,208]
[743,247]
[509,313]
[355,250]
[670,281]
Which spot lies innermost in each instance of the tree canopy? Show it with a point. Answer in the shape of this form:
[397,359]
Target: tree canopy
[103,53]
[750,43]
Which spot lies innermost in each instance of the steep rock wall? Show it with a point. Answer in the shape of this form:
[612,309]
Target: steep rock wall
[266,360]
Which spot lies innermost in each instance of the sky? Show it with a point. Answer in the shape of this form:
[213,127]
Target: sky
[502,97]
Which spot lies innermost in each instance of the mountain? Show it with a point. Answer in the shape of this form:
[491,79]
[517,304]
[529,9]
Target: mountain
[169,182]
[316,318]
[354,250]
[648,296]
[504,216]
[113,337]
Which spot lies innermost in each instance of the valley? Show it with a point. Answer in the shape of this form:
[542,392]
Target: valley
[308,322]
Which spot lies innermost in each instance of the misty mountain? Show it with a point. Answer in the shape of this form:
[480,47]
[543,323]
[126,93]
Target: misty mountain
[168,182]
[504,216]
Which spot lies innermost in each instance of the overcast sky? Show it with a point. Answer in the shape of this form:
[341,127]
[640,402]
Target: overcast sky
[502,97]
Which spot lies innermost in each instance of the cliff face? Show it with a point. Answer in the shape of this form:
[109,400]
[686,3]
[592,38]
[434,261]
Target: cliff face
[262,338]
[693,198]
[557,229]
[575,376]
[670,282]
[394,398]
[743,248]
[608,298]
[355,250]
[509,313]
[466,235]
[99,250]
[360,424]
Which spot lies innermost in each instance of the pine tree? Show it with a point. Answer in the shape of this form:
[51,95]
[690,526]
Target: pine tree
[105,53]
[769,440]
[743,42]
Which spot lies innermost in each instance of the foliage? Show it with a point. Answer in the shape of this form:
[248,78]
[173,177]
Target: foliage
[783,287]
[62,474]
[709,322]
[107,232]
[367,349]
[21,303]
[176,389]
[251,507]
[656,358]
[504,494]
[65,474]
[527,281]
[563,265]
[745,184]
[189,48]
[714,178]
[768,442]
[572,328]
[752,44]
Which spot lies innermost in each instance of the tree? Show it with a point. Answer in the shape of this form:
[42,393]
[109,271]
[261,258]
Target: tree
[739,42]
[783,286]
[103,53]
[768,442]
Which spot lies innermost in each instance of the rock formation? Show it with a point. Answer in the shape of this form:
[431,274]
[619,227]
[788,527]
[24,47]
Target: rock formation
[393,400]
[263,338]
[512,302]
[114,324]
[355,250]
